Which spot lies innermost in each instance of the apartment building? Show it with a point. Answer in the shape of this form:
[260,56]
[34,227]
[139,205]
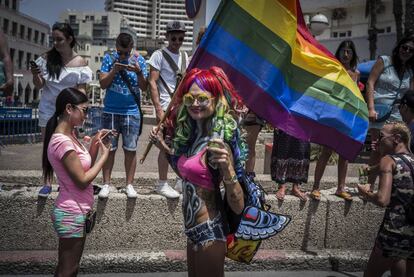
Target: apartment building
[149,19]
[27,38]
[347,20]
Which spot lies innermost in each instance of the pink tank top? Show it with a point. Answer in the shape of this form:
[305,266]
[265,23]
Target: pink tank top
[194,171]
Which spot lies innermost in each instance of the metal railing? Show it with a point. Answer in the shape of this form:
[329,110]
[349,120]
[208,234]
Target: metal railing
[18,125]
[21,125]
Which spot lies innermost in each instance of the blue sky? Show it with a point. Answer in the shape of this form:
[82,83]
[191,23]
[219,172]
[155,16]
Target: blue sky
[48,11]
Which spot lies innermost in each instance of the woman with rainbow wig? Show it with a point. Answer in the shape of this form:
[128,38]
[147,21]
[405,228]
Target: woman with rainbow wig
[205,149]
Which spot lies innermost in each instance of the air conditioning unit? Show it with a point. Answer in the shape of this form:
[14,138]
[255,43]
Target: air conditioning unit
[339,13]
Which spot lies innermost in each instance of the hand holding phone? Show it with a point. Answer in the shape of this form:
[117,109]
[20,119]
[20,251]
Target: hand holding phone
[34,68]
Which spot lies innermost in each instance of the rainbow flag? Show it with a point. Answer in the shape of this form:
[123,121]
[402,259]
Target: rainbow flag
[283,74]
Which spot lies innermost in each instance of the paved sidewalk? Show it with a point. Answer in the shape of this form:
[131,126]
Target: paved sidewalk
[228,274]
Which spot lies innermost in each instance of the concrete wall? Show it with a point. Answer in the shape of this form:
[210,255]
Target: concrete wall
[152,223]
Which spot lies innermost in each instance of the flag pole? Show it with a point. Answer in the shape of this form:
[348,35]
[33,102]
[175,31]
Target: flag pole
[166,113]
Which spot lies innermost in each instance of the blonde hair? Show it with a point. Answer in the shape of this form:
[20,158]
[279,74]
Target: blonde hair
[401,129]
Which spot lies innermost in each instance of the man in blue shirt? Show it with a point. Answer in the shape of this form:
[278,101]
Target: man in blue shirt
[121,112]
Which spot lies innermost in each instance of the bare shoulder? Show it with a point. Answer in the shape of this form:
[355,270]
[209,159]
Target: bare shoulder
[78,61]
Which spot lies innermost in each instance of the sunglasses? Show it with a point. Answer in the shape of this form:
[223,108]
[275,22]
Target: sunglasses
[202,99]
[174,39]
[407,48]
[123,53]
[84,110]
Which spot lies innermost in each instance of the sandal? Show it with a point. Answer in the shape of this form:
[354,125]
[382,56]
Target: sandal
[315,195]
[345,195]
[281,196]
[301,195]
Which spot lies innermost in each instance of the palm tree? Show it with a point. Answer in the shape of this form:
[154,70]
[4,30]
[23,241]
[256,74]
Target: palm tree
[397,7]
[409,17]
[371,12]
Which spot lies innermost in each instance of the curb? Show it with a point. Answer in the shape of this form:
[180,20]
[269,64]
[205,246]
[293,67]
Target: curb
[44,262]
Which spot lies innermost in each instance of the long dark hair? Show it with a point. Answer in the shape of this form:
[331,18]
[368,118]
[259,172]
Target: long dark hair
[67,96]
[54,59]
[350,44]
[396,61]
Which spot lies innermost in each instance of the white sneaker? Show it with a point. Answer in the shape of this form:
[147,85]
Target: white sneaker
[165,190]
[179,185]
[130,192]
[104,193]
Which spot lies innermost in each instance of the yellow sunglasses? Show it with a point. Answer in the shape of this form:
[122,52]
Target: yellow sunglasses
[203,99]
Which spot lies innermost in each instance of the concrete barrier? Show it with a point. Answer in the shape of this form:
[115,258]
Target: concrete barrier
[145,235]
[153,223]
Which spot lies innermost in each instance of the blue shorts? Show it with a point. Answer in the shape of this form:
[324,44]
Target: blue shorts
[125,125]
[207,232]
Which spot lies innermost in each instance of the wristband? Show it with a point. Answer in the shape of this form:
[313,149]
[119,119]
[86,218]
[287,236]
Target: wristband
[231,181]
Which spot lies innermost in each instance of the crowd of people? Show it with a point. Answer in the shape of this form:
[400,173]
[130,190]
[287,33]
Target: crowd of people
[208,165]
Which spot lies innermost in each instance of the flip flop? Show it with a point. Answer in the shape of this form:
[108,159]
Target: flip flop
[315,195]
[345,195]
[280,198]
[301,196]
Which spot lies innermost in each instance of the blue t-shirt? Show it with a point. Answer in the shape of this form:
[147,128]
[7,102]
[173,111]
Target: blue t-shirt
[118,98]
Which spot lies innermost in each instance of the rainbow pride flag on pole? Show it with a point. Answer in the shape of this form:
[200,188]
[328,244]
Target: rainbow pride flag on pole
[283,74]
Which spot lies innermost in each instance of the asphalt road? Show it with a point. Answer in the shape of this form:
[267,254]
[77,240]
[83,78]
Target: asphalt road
[229,274]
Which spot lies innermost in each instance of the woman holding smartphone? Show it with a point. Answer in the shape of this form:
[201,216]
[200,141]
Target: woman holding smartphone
[75,168]
[59,68]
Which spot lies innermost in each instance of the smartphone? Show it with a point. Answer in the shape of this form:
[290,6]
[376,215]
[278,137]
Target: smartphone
[121,64]
[33,64]
[109,134]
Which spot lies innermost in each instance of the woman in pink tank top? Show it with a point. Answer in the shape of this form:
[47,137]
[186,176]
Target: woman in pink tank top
[206,100]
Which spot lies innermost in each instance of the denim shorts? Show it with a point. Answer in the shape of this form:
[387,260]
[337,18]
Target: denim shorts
[125,125]
[68,225]
[207,232]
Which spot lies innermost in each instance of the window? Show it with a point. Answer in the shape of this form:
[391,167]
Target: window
[14,29]
[22,31]
[6,26]
[28,58]
[20,60]
[29,34]
[72,19]
[12,51]
[104,19]
[96,59]
[42,39]
[36,36]
[14,5]
[6,3]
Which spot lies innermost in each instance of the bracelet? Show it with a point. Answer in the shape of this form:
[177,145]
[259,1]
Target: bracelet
[233,180]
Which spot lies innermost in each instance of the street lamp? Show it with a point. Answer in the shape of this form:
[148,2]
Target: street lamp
[318,24]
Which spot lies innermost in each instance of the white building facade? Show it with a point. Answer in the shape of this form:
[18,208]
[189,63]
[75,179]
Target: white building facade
[347,20]
[149,18]
[28,38]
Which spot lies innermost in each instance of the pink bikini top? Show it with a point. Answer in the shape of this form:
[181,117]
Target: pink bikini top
[194,171]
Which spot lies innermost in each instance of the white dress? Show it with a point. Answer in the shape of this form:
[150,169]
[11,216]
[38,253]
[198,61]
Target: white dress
[69,77]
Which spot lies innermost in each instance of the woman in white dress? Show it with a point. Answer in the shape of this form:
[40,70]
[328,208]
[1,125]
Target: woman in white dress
[59,68]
